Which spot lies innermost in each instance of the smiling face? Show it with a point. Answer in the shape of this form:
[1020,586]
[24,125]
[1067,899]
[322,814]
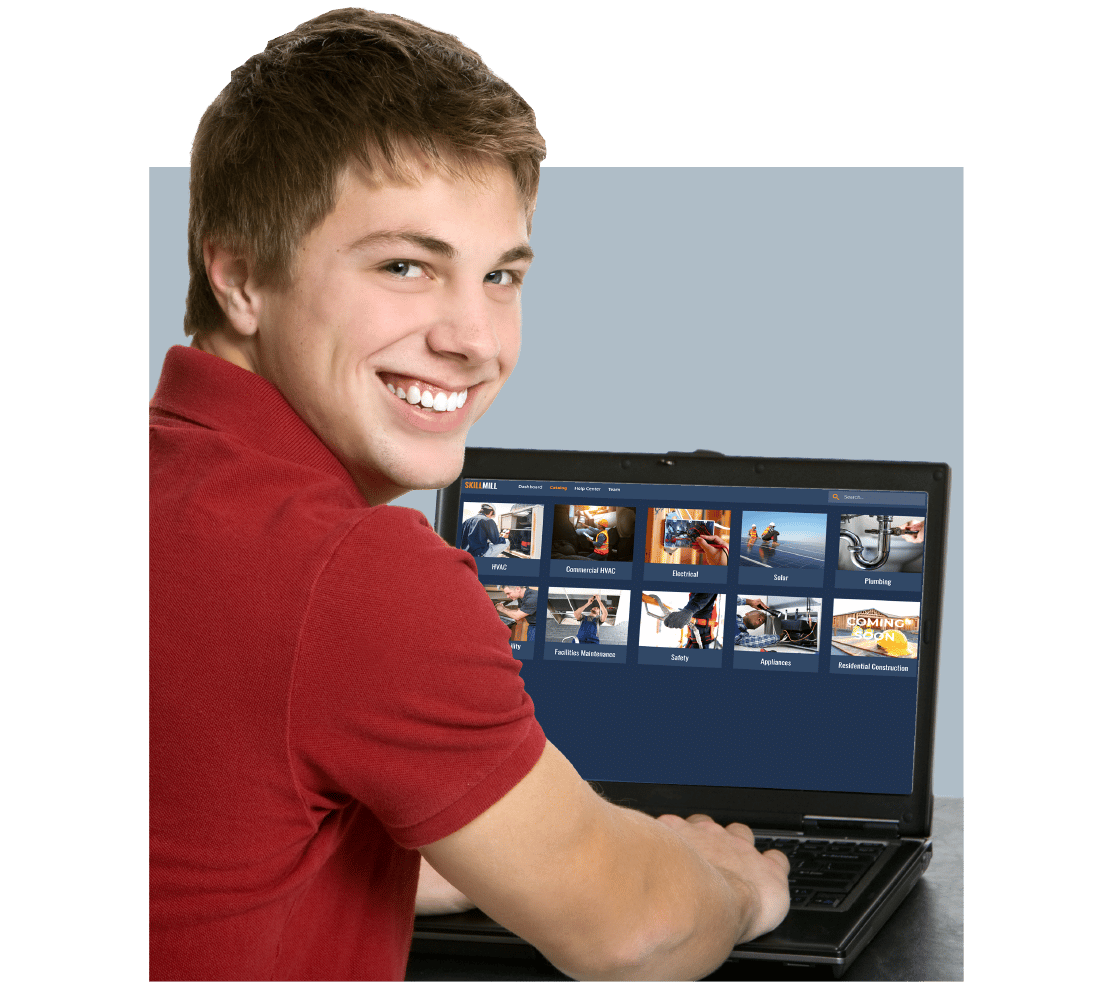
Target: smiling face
[400,325]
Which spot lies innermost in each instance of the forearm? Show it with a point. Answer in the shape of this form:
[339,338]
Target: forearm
[679,914]
[604,892]
[644,906]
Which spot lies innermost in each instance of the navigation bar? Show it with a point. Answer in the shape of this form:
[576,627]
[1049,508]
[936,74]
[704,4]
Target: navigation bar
[699,495]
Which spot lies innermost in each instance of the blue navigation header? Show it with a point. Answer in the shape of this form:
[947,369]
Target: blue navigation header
[679,494]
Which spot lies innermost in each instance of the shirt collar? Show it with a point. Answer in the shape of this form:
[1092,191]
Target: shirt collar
[211,392]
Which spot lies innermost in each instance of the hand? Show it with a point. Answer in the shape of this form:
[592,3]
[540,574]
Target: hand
[760,878]
[677,619]
[755,602]
[714,548]
[435,896]
[914,531]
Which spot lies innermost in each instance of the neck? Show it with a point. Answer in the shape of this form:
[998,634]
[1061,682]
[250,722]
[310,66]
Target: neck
[234,350]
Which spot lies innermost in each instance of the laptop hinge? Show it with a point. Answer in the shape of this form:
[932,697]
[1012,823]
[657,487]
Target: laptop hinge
[889,828]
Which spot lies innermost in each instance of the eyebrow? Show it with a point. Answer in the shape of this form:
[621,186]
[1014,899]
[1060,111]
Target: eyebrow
[432,244]
[422,240]
[518,252]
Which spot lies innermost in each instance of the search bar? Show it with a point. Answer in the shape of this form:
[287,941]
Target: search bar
[858,498]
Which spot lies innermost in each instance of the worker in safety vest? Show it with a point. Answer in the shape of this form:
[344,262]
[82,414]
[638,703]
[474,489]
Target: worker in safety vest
[602,543]
[753,533]
[770,533]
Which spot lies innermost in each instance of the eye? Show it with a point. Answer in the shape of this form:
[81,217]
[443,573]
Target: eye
[503,278]
[404,269]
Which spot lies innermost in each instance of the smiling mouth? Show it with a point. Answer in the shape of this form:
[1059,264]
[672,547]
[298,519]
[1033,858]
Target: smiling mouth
[429,397]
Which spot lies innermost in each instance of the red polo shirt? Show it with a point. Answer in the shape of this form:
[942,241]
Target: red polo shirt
[330,688]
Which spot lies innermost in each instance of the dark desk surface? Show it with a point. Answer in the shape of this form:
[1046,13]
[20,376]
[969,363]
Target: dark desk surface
[921,941]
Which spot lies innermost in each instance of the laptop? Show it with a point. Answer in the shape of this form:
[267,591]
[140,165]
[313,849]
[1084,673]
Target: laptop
[755,639]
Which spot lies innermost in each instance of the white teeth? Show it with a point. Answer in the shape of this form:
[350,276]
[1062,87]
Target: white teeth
[442,402]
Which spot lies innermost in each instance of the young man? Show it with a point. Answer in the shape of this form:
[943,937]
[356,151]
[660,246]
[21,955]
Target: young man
[360,200]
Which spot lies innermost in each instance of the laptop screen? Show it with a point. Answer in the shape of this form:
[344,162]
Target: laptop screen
[760,637]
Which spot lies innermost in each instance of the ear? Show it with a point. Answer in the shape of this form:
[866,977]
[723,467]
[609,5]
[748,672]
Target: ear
[232,285]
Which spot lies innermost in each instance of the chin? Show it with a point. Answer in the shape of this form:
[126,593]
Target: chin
[427,468]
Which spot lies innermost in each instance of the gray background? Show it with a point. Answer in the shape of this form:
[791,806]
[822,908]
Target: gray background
[807,312]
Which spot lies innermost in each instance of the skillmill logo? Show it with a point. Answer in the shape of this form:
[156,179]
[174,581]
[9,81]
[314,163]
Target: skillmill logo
[480,484]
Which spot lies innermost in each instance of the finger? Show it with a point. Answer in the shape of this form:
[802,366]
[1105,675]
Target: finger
[742,831]
[780,858]
[699,817]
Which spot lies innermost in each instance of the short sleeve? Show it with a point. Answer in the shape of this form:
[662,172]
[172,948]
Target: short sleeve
[405,695]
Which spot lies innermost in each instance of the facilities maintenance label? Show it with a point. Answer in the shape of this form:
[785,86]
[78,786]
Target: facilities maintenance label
[572,652]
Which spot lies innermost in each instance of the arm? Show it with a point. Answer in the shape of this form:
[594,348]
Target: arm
[680,617]
[493,532]
[516,613]
[608,892]
[435,896]
[579,612]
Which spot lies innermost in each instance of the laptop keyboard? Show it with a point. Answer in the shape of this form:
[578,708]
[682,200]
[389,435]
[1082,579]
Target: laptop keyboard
[823,872]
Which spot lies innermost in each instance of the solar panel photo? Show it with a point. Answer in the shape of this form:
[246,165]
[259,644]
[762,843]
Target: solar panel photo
[783,540]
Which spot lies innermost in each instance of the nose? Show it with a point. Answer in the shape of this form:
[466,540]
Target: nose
[469,327]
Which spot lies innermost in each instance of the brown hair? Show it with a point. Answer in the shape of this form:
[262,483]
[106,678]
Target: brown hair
[350,87]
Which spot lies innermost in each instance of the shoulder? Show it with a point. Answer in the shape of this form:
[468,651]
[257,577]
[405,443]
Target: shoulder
[391,556]
[400,539]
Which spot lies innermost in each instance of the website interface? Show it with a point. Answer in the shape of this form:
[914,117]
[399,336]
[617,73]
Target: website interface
[749,637]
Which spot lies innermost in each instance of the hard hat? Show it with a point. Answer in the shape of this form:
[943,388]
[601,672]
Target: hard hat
[772,525]
[602,522]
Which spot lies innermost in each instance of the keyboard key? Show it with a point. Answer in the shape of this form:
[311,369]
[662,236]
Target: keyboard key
[830,900]
[822,872]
